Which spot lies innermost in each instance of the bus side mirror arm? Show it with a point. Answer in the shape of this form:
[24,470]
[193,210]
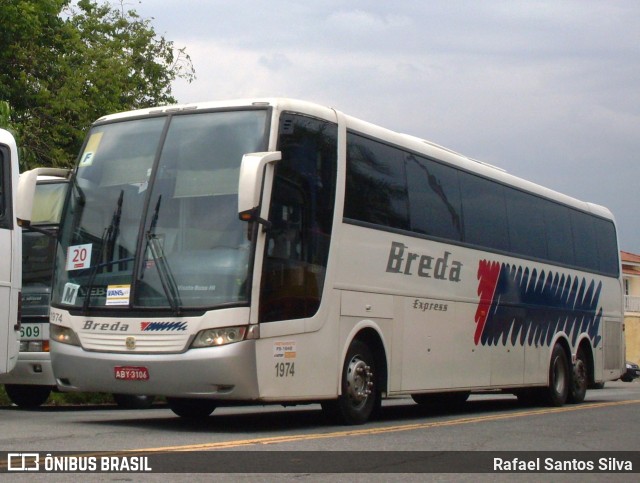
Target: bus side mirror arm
[254,215]
[250,185]
[44,231]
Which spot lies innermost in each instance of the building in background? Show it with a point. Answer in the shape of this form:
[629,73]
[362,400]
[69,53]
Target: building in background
[631,280]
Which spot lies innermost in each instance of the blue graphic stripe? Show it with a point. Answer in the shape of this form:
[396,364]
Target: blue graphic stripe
[530,306]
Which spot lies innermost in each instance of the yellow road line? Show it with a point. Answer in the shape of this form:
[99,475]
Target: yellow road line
[350,432]
[380,430]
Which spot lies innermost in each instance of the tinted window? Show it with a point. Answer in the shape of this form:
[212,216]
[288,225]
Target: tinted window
[525,214]
[559,237]
[584,241]
[376,184]
[434,198]
[440,201]
[605,234]
[485,217]
[1,184]
[5,184]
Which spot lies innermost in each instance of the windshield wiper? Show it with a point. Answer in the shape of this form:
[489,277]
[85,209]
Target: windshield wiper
[114,228]
[165,274]
[107,246]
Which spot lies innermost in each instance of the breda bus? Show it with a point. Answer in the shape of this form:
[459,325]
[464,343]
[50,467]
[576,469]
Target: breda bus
[277,251]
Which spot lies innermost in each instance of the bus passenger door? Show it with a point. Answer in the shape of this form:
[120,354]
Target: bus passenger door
[301,218]
[291,313]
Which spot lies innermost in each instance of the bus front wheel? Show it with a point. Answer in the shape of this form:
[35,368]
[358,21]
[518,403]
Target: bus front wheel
[361,397]
[191,408]
[27,396]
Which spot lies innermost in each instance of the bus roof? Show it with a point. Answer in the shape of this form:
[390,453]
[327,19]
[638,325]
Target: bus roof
[412,143]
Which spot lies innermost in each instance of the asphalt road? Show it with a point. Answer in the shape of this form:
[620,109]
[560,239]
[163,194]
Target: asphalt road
[608,421]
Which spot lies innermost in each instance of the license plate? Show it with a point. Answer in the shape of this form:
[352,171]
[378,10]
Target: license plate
[131,373]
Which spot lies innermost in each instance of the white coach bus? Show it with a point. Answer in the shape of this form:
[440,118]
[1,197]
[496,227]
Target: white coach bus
[277,251]
[11,213]
[31,381]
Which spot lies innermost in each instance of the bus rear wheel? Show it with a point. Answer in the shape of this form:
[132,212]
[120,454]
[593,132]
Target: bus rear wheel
[361,397]
[579,380]
[557,392]
[191,408]
[27,396]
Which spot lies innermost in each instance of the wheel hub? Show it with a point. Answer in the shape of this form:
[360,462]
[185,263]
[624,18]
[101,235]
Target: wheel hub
[359,380]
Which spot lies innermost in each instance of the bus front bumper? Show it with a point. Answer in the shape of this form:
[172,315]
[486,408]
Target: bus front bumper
[226,372]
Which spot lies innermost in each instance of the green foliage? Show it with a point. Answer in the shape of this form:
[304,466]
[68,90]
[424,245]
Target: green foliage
[5,114]
[66,398]
[63,65]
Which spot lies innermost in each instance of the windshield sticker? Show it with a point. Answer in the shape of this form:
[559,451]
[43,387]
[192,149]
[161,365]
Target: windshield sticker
[78,257]
[118,294]
[90,149]
[70,293]
[284,350]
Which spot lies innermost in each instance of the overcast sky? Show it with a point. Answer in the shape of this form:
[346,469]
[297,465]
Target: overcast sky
[548,90]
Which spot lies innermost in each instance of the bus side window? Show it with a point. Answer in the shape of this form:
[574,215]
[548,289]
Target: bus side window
[5,179]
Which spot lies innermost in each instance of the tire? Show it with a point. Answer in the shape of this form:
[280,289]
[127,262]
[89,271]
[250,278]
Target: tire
[133,401]
[191,408]
[579,379]
[361,397]
[27,396]
[442,398]
[557,392]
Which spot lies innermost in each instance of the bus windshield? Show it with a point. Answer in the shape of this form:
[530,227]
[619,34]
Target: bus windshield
[152,219]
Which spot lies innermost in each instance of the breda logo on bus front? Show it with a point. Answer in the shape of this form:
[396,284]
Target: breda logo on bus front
[78,257]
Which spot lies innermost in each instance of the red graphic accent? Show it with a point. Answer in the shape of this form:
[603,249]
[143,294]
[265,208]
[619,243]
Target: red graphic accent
[144,325]
[488,273]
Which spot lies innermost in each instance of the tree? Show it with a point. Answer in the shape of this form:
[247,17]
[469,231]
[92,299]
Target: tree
[5,123]
[63,65]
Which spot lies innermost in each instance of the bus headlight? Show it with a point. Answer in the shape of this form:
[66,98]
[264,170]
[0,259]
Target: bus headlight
[216,337]
[64,335]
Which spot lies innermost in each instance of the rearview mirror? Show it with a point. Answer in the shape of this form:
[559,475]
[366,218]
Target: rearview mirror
[27,190]
[250,182]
